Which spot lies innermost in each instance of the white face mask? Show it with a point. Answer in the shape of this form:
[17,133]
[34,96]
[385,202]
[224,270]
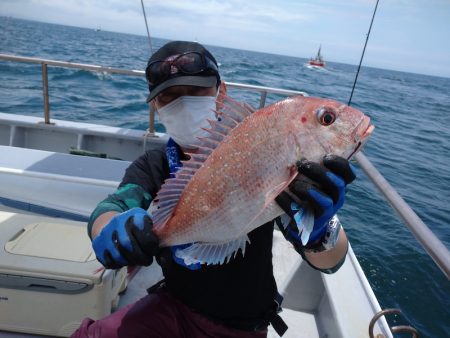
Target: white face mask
[185,116]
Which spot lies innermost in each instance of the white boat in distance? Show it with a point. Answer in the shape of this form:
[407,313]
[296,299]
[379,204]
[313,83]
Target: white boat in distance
[37,169]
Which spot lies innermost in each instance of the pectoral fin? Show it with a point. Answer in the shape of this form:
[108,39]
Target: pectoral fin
[278,189]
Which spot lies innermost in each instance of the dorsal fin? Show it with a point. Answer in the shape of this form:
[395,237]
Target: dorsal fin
[184,176]
[215,134]
[249,107]
[204,150]
[236,110]
[199,157]
[191,164]
[228,120]
[231,113]
[220,127]
[209,143]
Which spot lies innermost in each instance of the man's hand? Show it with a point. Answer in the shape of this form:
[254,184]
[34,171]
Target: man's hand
[127,239]
[321,188]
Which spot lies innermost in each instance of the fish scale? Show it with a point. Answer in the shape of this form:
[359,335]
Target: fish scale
[246,162]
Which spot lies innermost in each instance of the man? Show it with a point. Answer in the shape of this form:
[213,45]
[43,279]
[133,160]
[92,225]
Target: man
[237,299]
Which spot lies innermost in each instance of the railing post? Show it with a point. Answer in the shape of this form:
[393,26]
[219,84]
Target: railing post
[45,93]
[151,119]
[262,100]
[151,125]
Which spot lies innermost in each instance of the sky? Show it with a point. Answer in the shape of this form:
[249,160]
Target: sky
[407,35]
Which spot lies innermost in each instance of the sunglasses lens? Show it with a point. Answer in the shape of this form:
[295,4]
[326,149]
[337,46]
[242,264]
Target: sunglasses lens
[190,63]
[158,71]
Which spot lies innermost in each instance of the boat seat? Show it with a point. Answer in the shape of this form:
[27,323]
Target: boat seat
[64,182]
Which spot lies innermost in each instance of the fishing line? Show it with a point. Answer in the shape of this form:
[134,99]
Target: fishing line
[362,55]
[146,25]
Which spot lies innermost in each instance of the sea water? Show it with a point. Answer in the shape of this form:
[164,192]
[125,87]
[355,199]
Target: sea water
[410,145]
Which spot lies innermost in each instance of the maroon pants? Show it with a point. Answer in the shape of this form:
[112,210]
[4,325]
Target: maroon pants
[158,314]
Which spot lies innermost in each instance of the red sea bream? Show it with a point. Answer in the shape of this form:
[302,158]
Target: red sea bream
[228,187]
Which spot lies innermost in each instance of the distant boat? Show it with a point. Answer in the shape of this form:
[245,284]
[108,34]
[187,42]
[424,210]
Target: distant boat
[317,61]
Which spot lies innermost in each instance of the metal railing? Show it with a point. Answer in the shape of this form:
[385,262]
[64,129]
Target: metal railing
[64,64]
[432,245]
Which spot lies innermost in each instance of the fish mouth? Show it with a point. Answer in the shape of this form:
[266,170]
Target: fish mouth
[368,131]
[363,131]
[364,128]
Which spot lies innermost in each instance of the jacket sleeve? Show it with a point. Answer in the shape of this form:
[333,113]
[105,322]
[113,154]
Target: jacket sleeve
[142,180]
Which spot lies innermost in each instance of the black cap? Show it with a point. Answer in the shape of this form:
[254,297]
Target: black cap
[208,78]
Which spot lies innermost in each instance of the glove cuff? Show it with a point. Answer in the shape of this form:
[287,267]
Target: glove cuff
[330,238]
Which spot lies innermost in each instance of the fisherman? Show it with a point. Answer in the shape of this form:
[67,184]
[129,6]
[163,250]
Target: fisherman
[236,299]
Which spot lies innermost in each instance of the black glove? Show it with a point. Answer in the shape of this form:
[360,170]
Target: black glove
[127,239]
[321,188]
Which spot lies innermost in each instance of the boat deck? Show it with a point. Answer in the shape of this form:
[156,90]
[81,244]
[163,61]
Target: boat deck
[315,305]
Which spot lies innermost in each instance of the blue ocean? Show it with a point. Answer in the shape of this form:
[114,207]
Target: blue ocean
[410,145]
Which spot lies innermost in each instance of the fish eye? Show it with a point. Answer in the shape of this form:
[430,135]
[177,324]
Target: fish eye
[326,116]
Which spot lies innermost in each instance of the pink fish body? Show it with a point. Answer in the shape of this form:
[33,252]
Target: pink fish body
[228,188]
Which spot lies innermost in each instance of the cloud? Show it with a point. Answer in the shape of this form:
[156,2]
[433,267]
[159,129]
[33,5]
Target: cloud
[291,27]
[225,10]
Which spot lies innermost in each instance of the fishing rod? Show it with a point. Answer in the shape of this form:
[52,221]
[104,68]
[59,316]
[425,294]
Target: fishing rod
[362,55]
[146,25]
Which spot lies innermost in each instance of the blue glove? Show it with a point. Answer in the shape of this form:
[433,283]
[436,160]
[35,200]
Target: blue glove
[127,239]
[321,188]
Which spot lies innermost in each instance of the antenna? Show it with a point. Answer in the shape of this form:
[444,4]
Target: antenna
[146,25]
[362,55]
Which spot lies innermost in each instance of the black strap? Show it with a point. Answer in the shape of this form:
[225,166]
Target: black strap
[156,286]
[278,324]
[274,319]
[278,300]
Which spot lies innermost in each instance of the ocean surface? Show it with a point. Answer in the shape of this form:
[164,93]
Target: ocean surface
[410,145]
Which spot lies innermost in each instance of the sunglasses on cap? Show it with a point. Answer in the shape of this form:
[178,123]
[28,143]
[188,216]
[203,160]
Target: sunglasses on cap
[189,63]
